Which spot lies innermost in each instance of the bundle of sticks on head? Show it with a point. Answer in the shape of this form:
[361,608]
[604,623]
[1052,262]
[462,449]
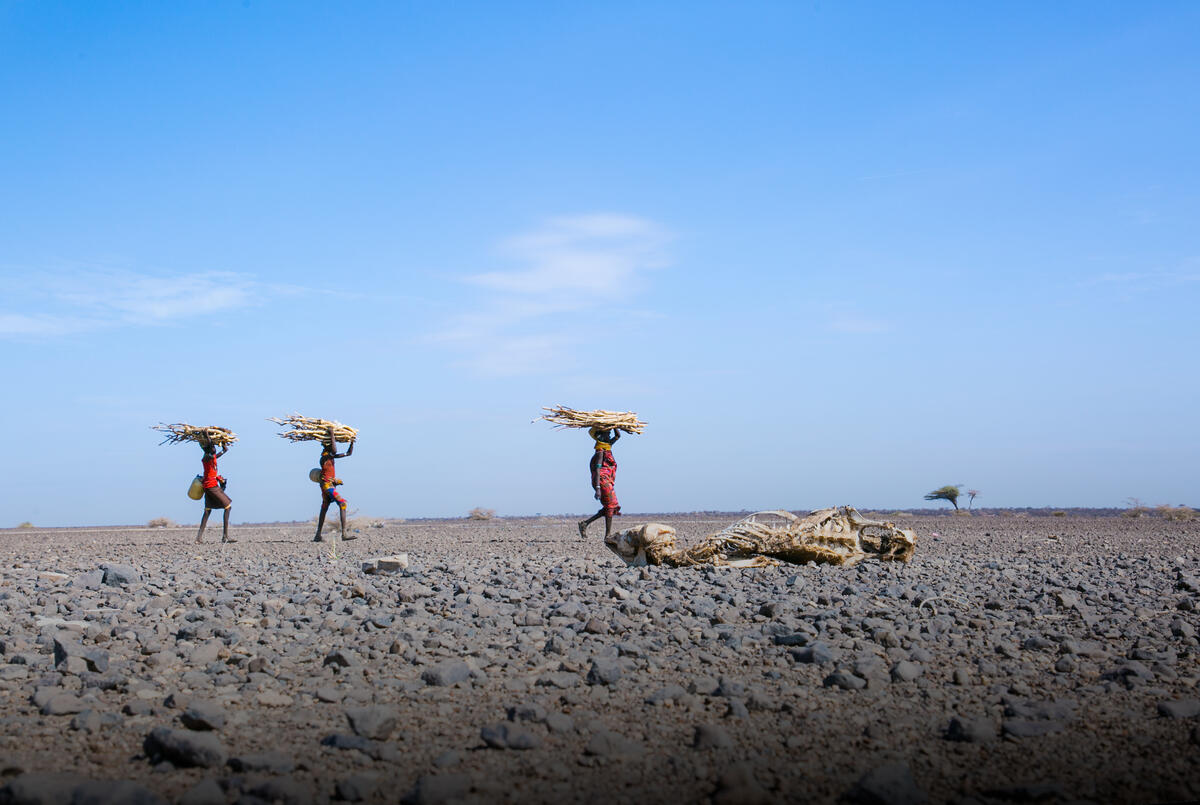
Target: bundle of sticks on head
[311,429]
[564,417]
[183,432]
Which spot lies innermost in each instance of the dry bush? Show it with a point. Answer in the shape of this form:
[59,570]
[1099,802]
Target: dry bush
[1059,513]
[161,522]
[478,513]
[26,524]
[1176,514]
[901,514]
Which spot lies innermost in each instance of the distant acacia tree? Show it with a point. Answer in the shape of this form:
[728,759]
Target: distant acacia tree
[971,493]
[949,493]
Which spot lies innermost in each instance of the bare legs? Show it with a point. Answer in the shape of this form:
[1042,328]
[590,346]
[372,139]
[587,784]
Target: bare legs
[224,526]
[203,523]
[321,521]
[583,524]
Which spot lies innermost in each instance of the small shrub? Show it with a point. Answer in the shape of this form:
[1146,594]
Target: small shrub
[1059,513]
[1176,514]
[481,514]
[161,522]
[26,524]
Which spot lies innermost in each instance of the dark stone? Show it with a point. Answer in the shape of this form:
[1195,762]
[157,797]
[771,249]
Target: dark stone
[845,681]
[971,730]
[889,784]
[446,673]
[184,748]
[342,658]
[818,653]
[116,575]
[375,722]
[604,671]
[711,736]
[202,714]
[510,735]
[1182,708]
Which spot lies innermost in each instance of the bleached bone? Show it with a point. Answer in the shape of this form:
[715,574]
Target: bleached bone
[838,536]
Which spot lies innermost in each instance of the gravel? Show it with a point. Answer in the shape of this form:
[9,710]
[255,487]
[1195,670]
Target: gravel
[514,662]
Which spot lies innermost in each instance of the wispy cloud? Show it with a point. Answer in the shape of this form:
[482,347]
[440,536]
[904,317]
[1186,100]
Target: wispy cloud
[63,303]
[568,265]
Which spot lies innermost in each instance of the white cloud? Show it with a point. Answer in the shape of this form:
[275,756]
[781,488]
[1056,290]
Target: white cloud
[566,266]
[79,301]
[600,254]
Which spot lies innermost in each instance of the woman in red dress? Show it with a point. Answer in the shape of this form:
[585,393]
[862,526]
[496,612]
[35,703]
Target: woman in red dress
[604,477]
[214,491]
[329,484]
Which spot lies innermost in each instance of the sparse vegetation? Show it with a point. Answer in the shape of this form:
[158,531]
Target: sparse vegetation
[478,513]
[947,493]
[1136,508]
[26,524]
[1176,514]
[161,522]
[1059,513]
[971,494]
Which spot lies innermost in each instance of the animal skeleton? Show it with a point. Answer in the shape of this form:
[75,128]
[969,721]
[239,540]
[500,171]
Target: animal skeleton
[838,536]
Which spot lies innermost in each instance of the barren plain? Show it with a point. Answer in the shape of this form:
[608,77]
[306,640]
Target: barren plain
[1014,659]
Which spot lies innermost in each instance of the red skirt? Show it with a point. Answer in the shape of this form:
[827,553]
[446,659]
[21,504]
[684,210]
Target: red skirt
[608,495]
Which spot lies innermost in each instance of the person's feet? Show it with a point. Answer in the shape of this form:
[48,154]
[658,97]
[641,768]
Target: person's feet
[228,539]
[199,540]
[318,538]
[582,529]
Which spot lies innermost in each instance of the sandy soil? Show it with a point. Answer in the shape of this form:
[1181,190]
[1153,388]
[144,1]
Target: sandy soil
[1014,659]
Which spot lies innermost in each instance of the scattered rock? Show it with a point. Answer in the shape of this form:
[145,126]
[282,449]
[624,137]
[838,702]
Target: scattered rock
[185,748]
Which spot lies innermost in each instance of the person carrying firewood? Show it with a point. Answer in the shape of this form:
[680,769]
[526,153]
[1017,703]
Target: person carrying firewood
[214,489]
[603,468]
[329,484]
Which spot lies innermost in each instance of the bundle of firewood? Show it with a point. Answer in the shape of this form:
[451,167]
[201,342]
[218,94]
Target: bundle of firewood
[183,432]
[311,429]
[564,417]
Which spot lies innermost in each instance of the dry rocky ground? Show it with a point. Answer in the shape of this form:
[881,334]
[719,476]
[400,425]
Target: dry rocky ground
[1014,660]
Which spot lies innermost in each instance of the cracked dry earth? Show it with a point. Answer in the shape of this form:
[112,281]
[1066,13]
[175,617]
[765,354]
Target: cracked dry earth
[1014,660]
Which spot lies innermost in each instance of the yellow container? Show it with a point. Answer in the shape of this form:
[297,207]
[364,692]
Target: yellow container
[196,490]
[314,475]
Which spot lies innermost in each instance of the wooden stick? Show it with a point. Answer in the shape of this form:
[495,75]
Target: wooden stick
[182,432]
[311,429]
[563,417]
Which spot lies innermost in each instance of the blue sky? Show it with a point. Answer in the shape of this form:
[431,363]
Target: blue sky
[832,252]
